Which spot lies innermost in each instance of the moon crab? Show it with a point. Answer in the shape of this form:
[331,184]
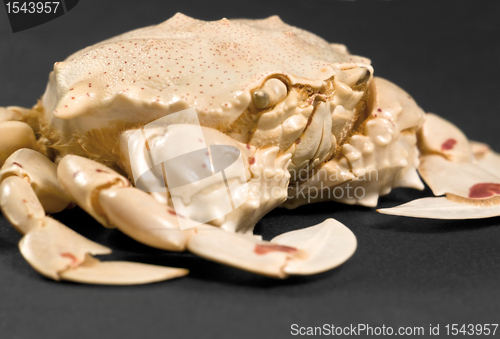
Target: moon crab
[305,120]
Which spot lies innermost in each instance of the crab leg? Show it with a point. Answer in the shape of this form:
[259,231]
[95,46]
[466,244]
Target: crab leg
[468,174]
[307,251]
[106,195]
[28,189]
[110,199]
[15,133]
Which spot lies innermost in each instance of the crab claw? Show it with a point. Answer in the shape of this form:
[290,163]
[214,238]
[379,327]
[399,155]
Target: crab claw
[28,189]
[53,248]
[41,174]
[467,173]
[307,251]
[58,252]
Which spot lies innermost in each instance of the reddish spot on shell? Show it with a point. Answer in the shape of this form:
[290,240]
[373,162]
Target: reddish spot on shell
[298,141]
[16,164]
[484,190]
[25,201]
[248,146]
[251,161]
[379,110]
[266,248]
[448,145]
[74,260]
[173,213]
[100,171]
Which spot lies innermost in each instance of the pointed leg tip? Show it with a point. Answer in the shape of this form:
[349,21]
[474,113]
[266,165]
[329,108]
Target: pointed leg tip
[442,208]
[122,273]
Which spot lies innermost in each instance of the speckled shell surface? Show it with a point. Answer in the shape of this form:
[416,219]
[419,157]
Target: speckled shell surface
[183,62]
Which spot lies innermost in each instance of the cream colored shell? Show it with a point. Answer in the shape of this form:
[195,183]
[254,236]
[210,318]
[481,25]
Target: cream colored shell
[182,62]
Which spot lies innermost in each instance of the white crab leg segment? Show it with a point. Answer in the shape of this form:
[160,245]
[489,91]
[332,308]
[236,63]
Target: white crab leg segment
[93,271]
[442,208]
[54,248]
[50,247]
[29,189]
[41,174]
[58,252]
[468,174]
[108,197]
[7,114]
[439,136]
[20,204]
[327,245]
[143,218]
[462,179]
[486,158]
[237,250]
[83,179]
[13,136]
[308,251]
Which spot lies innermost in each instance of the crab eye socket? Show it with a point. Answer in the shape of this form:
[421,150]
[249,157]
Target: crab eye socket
[356,76]
[270,94]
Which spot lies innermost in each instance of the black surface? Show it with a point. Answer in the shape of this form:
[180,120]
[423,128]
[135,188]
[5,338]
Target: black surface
[406,272]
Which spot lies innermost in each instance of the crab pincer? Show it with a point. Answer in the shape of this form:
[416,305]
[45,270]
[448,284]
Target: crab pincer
[29,188]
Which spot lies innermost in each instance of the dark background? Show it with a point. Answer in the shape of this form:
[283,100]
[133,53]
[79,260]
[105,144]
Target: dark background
[406,272]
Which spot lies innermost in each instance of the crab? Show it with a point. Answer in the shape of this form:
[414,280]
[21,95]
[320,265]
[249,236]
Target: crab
[256,114]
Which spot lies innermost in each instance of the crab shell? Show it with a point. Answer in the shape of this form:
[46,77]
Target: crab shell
[328,115]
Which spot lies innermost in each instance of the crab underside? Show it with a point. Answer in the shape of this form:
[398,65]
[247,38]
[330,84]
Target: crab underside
[215,124]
